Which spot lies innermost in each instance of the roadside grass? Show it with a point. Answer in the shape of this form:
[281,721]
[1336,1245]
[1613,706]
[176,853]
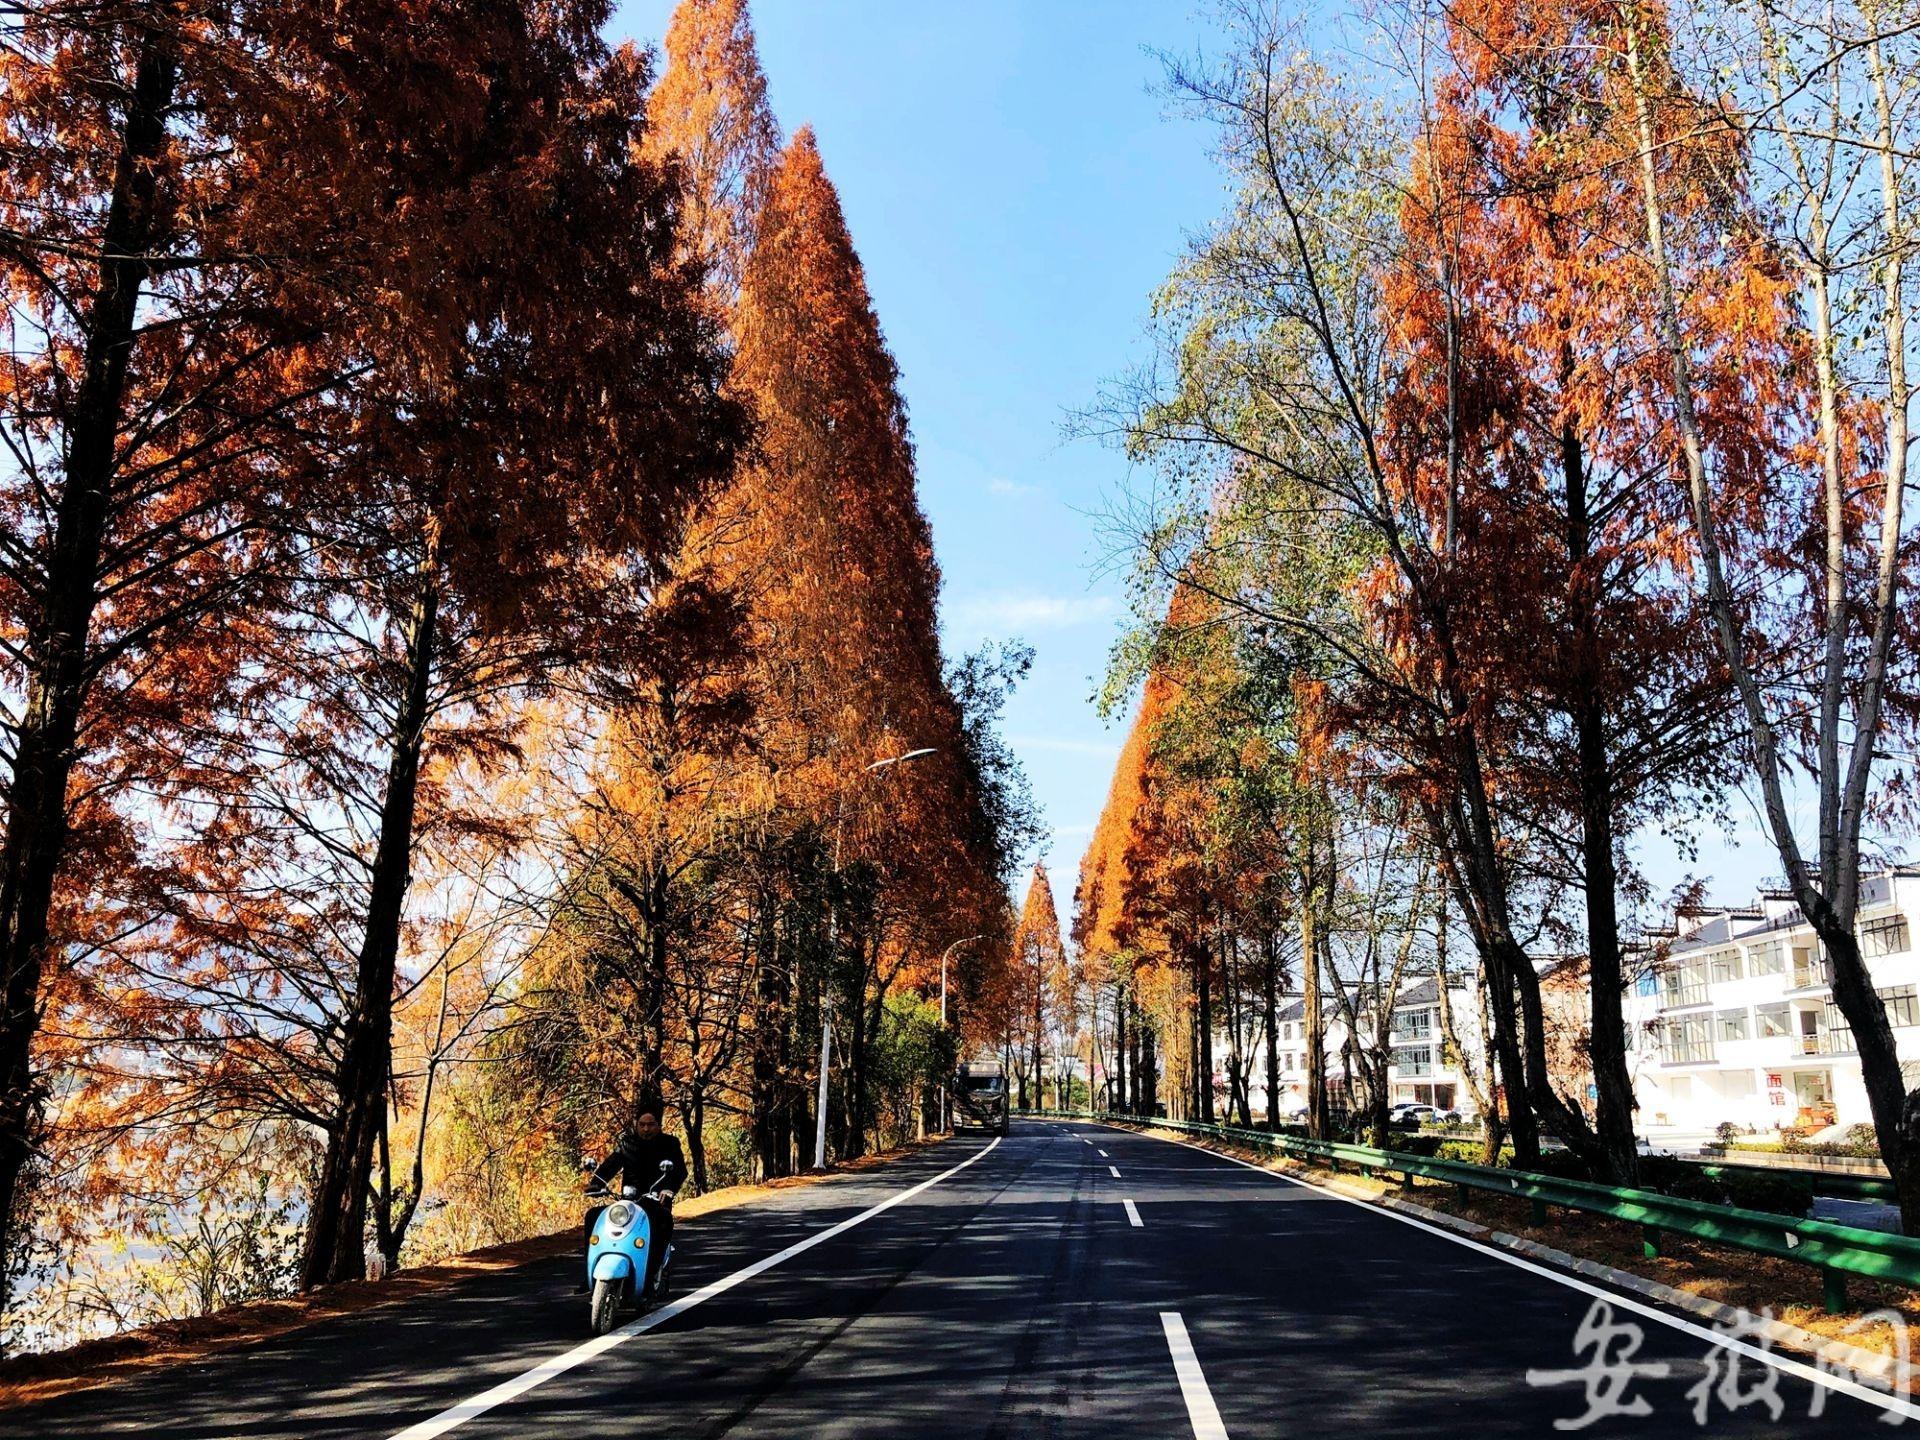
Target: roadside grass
[29,1379]
[1762,1285]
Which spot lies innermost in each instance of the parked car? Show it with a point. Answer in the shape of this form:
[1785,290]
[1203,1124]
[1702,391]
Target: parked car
[1413,1113]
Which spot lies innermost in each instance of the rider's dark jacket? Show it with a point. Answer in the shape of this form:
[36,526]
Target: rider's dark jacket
[640,1158]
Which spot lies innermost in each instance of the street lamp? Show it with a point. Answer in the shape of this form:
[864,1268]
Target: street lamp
[943,1012]
[833,941]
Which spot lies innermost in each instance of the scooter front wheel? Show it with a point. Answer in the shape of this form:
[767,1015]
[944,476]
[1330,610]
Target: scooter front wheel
[606,1306]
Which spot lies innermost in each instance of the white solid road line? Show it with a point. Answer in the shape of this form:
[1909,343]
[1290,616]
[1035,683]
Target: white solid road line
[1114,1171]
[1813,1375]
[1133,1216]
[1201,1412]
[547,1369]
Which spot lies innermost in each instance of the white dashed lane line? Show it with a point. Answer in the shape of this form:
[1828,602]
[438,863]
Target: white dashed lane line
[1114,1171]
[1201,1411]
[1133,1215]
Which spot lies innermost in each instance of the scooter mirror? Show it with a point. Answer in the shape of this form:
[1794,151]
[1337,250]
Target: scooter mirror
[665,1165]
[587,1162]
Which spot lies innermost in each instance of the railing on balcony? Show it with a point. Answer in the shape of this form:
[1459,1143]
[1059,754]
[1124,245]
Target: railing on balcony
[1685,1050]
[1807,974]
[1827,1042]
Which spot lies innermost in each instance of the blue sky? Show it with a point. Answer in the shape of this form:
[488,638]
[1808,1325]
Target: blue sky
[1017,192]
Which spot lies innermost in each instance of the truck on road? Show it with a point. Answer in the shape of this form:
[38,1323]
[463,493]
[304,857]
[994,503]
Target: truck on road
[980,1097]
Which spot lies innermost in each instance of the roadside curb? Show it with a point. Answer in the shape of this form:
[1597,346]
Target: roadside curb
[1830,1354]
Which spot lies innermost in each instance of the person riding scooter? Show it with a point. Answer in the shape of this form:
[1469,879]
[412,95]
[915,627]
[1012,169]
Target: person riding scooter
[646,1155]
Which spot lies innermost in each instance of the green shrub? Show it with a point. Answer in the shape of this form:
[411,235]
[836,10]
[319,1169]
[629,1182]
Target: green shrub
[1560,1164]
[1426,1145]
[1680,1179]
[1779,1193]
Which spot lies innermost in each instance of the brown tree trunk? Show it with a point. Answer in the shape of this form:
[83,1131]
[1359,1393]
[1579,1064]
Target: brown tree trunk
[1270,1008]
[1608,1035]
[1314,1023]
[336,1224]
[1203,1037]
[58,641]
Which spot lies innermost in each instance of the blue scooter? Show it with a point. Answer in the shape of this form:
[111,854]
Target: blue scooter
[617,1256]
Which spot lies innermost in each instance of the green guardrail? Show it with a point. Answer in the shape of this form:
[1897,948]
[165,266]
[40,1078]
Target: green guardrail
[1833,1184]
[1837,1251]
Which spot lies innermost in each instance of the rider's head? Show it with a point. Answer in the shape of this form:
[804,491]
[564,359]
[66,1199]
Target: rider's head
[646,1118]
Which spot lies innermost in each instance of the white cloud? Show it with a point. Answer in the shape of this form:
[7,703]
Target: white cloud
[1057,745]
[1021,611]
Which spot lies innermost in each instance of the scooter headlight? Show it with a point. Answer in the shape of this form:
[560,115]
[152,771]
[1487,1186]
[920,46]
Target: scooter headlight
[620,1217]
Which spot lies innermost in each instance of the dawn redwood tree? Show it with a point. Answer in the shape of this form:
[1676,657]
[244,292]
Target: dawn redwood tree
[1040,960]
[1556,473]
[203,212]
[506,509]
[822,536]
[710,113]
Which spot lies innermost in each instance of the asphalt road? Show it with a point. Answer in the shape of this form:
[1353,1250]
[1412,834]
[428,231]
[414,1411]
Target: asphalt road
[1070,1280]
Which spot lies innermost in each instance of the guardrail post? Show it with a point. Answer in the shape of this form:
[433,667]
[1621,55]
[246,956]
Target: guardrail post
[1539,1211]
[1833,1290]
[1650,1241]
[1461,1192]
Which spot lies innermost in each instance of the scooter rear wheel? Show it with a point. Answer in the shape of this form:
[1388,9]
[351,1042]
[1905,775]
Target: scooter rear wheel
[606,1306]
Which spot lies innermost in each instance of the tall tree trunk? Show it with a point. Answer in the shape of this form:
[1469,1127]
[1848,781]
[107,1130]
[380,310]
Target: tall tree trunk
[1608,1035]
[59,638]
[336,1226]
[1313,1022]
[1270,1016]
[1203,1057]
[1148,1071]
[1122,1071]
[763,1088]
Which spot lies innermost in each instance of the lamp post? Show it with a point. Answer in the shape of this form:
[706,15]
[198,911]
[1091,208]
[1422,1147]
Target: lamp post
[833,944]
[943,1011]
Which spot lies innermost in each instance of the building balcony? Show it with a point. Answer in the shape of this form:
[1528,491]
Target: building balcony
[1831,1042]
[1815,976]
[1688,1054]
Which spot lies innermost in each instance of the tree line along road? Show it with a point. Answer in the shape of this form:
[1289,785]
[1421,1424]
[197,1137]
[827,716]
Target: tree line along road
[1070,1280]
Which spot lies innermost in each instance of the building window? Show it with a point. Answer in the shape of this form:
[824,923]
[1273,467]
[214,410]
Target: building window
[1684,985]
[1836,1035]
[1647,984]
[1724,966]
[1767,959]
[1903,1004]
[1412,1024]
[1413,1060]
[1883,937]
[1771,1021]
[1730,1025]
[1687,1040]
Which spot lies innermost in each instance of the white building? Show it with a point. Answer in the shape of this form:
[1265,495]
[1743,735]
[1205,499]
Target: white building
[1746,1030]
[1421,1069]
